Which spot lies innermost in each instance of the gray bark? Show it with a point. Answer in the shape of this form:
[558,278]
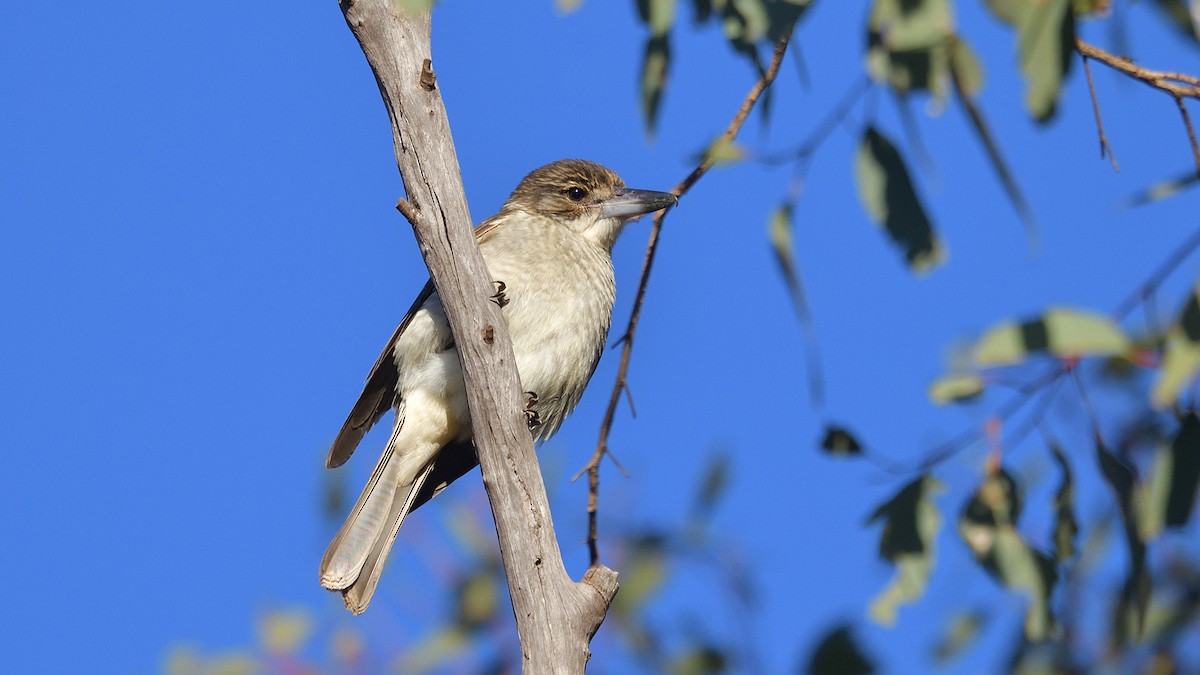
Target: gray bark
[556,616]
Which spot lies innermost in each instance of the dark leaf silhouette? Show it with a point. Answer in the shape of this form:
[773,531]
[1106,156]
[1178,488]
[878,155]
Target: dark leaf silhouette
[839,654]
[1065,525]
[1185,476]
[910,525]
[840,442]
[886,190]
[1130,610]
[655,64]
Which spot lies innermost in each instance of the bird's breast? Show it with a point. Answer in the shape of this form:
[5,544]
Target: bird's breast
[558,316]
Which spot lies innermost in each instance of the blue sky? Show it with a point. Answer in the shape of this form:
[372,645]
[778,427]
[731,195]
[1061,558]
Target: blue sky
[200,259]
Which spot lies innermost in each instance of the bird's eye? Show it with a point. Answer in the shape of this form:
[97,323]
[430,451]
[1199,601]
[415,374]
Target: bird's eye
[576,193]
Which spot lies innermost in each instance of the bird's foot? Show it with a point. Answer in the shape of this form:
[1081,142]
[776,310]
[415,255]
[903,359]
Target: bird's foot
[531,416]
[499,298]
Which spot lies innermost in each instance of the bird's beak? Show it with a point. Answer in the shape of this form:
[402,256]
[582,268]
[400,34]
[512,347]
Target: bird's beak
[628,203]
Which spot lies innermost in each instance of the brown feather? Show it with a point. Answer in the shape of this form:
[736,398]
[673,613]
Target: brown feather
[379,393]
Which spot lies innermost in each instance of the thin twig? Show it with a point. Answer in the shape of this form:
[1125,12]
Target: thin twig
[1086,402]
[1191,132]
[822,131]
[1176,84]
[971,435]
[593,466]
[1105,148]
[1151,284]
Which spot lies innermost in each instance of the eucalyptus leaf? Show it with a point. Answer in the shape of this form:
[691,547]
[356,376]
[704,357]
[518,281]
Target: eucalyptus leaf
[1046,47]
[956,388]
[1063,332]
[911,524]
[1185,477]
[1181,359]
[1066,527]
[655,66]
[887,193]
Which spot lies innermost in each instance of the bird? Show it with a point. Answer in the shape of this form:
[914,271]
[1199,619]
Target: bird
[549,254]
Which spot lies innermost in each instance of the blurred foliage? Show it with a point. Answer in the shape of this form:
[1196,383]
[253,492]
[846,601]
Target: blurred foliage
[471,629]
[1145,456]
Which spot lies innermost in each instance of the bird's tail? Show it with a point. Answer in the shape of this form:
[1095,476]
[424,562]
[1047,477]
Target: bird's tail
[354,560]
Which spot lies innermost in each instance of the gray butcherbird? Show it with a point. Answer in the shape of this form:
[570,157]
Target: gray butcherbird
[549,251]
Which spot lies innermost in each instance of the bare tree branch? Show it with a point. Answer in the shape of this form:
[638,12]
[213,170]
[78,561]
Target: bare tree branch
[556,617]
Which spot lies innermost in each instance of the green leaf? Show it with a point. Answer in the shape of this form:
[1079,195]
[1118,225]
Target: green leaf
[779,233]
[909,25]
[724,152]
[888,195]
[906,44]
[1047,42]
[477,599]
[1029,572]
[1062,332]
[745,22]
[1181,360]
[782,16]
[987,523]
[655,65]
[642,574]
[1135,594]
[840,442]
[966,66]
[1150,496]
[1083,7]
[910,527]
[1066,527]
[839,654]
[659,15]
[700,660]
[956,388]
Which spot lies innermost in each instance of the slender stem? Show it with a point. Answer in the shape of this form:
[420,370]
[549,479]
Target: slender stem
[592,468]
[1105,149]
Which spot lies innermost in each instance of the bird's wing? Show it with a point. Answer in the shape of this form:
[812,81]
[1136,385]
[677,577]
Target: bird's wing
[378,394]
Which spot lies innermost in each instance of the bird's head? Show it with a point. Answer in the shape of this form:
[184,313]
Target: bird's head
[585,197]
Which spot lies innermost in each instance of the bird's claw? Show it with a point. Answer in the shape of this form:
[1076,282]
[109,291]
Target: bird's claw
[531,416]
[499,298]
